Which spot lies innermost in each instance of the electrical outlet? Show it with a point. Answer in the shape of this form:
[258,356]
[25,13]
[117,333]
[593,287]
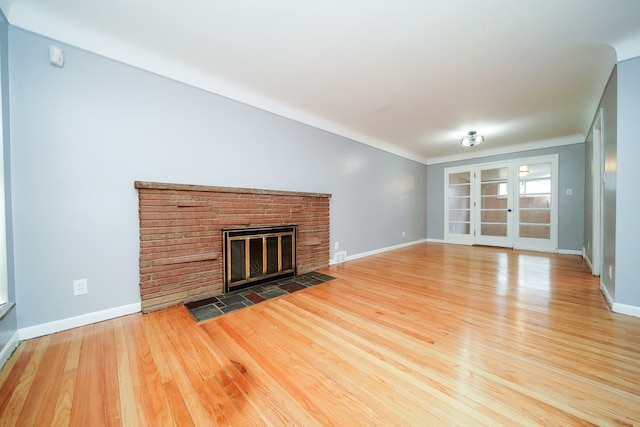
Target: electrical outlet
[337,245]
[403,234]
[80,287]
[610,271]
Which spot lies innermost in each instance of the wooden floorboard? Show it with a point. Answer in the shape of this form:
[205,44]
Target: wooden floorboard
[431,334]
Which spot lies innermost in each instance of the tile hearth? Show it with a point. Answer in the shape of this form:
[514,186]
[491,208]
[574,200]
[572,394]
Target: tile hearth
[226,303]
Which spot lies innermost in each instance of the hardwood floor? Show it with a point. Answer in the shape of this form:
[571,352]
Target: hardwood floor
[428,335]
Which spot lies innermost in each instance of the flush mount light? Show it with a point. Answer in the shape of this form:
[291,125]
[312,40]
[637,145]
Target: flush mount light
[471,139]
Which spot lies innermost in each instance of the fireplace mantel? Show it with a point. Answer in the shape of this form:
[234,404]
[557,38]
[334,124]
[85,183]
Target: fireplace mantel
[181,234]
[208,188]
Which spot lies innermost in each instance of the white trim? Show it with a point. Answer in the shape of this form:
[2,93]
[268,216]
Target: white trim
[459,238]
[534,248]
[9,348]
[175,70]
[607,295]
[627,49]
[597,165]
[587,260]
[527,146]
[629,310]
[436,241]
[162,65]
[545,245]
[516,242]
[379,251]
[74,322]
[476,199]
[569,252]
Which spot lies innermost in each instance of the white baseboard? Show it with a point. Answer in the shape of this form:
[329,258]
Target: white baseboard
[74,322]
[436,241]
[629,310]
[587,260]
[8,349]
[607,295]
[404,245]
[569,252]
[379,251]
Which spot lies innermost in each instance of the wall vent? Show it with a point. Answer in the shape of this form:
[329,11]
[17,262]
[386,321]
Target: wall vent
[341,256]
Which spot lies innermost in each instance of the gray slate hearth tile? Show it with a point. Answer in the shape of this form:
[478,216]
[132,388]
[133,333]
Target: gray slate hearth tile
[272,293]
[206,309]
[233,307]
[205,312]
[231,299]
[257,288]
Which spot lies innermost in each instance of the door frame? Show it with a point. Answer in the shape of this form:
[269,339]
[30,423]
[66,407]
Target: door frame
[488,240]
[597,183]
[542,245]
[457,238]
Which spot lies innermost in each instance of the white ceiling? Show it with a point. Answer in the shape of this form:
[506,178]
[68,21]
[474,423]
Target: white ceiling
[408,76]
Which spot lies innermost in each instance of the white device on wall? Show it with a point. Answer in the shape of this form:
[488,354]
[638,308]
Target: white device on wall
[56,56]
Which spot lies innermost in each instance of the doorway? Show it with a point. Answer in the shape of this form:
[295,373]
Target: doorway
[597,183]
[511,204]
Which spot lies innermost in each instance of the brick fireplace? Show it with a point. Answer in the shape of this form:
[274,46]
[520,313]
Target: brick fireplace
[181,235]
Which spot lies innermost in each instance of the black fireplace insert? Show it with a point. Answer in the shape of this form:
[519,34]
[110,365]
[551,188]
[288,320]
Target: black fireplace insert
[258,254]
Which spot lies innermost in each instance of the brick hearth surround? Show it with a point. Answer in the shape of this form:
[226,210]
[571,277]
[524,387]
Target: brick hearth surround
[181,235]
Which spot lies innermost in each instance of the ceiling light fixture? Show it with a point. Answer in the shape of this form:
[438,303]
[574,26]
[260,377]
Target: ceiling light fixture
[471,139]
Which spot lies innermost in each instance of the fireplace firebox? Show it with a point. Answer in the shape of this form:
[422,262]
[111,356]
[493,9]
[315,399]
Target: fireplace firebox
[257,255]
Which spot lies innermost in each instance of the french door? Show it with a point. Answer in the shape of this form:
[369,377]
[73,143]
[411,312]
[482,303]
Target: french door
[536,211]
[510,204]
[493,205]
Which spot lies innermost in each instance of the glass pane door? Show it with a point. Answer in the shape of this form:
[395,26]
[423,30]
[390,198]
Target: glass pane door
[494,219]
[458,206]
[513,204]
[537,210]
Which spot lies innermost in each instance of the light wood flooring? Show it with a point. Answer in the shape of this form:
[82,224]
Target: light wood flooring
[427,335]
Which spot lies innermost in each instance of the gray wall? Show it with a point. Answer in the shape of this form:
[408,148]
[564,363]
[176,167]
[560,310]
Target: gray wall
[82,134]
[8,325]
[570,208]
[627,232]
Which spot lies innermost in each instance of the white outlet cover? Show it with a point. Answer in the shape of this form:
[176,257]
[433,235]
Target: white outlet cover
[80,287]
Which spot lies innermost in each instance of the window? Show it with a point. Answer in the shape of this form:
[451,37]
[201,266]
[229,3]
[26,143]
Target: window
[541,186]
[502,189]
